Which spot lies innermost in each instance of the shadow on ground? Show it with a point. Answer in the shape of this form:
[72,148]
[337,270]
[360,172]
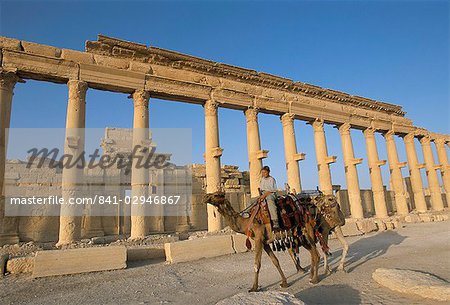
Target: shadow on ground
[329,294]
[368,248]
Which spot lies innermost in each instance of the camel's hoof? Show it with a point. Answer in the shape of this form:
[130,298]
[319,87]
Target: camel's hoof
[342,269]
[328,272]
[314,281]
[284,285]
[253,290]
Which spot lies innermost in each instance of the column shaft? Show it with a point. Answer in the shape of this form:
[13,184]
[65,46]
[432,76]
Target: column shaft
[290,153]
[212,160]
[414,173]
[140,175]
[351,173]
[433,181]
[395,166]
[445,168]
[255,154]
[72,177]
[323,160]
[8,225]
[375,174]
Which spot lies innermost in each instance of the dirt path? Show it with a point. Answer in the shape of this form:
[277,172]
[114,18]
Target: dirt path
[424,247]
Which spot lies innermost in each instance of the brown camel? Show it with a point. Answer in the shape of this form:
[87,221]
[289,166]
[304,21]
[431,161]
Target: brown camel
[329,217]
[260,237]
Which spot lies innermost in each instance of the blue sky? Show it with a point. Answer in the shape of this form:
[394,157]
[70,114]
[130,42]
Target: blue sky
[394,51]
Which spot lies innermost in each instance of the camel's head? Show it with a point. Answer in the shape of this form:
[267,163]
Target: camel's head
[330,208]
[215,199]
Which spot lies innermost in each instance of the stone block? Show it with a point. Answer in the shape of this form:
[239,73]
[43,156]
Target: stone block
[366,225]
[426,217]
[72,261]
[190,250]
[414,283]
[143,253]
[77,56]
[40,49]
[239,243]
[412,218]
[350,228]
[141,67]
[381,225]
[18,265]
[116,63]
[10,44]
[390,225]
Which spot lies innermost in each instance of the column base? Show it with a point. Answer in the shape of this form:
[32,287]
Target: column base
[9,239]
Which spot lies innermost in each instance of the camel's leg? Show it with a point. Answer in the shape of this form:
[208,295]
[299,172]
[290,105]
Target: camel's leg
[326,266]
[296,260]
[258,252]
[341,238]
[315,257]
[275,261]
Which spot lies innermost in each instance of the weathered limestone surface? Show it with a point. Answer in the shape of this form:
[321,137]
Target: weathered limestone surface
[366,225]
[18,265]
[413,282]
[351,228]
[71,261]
[262,298]
[189,250]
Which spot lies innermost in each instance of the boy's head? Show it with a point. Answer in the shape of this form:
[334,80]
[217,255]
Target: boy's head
[265,171]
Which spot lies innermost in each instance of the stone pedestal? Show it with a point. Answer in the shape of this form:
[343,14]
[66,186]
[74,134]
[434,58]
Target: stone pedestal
[255,154]
[323,160]
[375,174]
[212,162]
[351,173]
[445,167]
[414,173]
[140,176]
[433,181]
[395,166]
[8,225]
[72,178]
[290,153]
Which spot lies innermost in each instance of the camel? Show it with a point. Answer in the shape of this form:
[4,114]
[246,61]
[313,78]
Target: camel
[328,223]
[259,234]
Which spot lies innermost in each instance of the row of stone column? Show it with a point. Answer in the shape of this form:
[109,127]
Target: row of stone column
[256,154]
[70,228]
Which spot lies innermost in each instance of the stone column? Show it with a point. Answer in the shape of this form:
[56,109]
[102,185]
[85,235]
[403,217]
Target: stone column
[414,173]
[8,225]
[395,166]
[212,160]
[72,177]
[323,160]
[445,168]
[290,153]
[140,175]
[255,154]
[433,181]
[351,174]
[375,173]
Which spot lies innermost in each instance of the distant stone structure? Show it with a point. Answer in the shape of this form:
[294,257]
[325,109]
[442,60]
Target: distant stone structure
[120,66]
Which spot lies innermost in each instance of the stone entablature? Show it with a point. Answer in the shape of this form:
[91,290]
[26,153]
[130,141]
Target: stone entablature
[121,66]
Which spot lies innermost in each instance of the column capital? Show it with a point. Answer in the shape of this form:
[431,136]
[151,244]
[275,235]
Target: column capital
[409,137]
[287,118]
[8,80]
[369,132]
[389,134]
[344,128]
[425,140]
[439,141]
[78,86]
[141,97]
[251,114]
[317,124]
[211,107]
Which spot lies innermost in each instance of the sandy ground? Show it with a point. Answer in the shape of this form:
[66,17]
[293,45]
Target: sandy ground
[424,247]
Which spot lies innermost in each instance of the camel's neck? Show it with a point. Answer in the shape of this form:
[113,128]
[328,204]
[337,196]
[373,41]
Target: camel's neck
[236,222]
